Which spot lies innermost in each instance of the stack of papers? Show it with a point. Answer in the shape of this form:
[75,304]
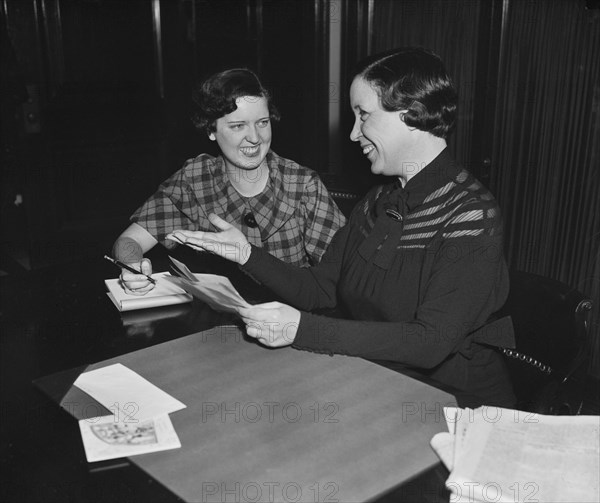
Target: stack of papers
[506,455]
[163,294]
[139,422]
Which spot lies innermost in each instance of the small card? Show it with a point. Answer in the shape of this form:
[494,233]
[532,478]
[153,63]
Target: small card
[103,438]
[121,389]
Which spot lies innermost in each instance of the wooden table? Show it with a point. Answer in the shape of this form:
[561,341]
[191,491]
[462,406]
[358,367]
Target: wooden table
[281,425]
[56,322]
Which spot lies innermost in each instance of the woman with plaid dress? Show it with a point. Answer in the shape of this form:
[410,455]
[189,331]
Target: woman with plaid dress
[280,206]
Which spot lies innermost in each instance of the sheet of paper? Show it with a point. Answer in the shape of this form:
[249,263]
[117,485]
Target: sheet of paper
[515,456]
[163,294]
[216,291]
[443,445]
[103,438]
[182,270]
[451,415]
[463,419]
[127,393]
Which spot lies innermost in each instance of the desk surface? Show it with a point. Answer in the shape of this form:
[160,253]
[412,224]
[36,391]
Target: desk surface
[282,424]
[50,324]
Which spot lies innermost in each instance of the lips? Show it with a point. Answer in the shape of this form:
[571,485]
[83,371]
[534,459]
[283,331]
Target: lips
[367,149]
[250,151]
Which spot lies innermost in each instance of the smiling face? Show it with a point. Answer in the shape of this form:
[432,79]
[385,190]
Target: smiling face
[244,135]
[383,136]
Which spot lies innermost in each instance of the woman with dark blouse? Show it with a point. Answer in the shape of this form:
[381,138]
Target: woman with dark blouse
[418,271]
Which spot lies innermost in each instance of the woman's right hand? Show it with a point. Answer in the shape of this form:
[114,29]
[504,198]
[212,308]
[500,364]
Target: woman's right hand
[229,243]
[137,284]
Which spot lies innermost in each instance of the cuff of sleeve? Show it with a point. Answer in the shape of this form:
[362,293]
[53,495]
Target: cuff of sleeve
[257,262]
[318,334]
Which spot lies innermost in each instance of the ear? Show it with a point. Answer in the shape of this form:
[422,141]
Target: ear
[402,114]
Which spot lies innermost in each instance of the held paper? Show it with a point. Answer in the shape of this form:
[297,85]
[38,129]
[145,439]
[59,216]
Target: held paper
[216,291]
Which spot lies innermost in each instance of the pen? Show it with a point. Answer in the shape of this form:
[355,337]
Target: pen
[129,268]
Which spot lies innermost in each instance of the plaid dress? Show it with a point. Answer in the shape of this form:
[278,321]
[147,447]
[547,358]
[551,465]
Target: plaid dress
[295,214]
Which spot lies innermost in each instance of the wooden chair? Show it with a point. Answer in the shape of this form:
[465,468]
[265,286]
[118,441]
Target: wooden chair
[549,364]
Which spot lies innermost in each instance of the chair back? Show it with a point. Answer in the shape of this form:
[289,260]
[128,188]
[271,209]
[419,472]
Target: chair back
[346,200]
[550,360]
[344,193]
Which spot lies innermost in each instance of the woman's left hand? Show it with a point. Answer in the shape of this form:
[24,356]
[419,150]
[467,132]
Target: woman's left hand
[273,324]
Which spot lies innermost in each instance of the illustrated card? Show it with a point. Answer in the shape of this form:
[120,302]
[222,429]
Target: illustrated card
[104,438]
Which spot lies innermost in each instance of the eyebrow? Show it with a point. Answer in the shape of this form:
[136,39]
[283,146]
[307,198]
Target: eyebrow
[244,122]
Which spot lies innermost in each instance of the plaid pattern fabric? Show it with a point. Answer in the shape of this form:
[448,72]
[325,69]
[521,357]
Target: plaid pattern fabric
[295,214]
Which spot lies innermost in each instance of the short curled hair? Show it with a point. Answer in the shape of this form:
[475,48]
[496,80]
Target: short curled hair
[216,96]
[413,79]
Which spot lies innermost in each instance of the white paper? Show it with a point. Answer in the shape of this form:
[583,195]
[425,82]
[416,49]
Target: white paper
[182,270]
[164,293]
[103,438]
[126,393]
[443,445]
[506,455]
[216,291]
[451,415]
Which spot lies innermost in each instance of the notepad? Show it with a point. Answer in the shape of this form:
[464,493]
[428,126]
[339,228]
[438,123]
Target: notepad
[164,293]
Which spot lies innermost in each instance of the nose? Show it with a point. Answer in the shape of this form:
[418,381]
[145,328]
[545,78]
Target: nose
[252,135]
[356,133]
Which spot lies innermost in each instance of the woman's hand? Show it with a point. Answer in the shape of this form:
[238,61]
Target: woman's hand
[273,324]
[230,243]
[136,284]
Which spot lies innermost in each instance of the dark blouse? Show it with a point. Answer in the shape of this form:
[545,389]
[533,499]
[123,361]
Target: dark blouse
[419,270]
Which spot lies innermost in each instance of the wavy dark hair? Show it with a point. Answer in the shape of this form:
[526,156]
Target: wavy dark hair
[413,79]
[216,96]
